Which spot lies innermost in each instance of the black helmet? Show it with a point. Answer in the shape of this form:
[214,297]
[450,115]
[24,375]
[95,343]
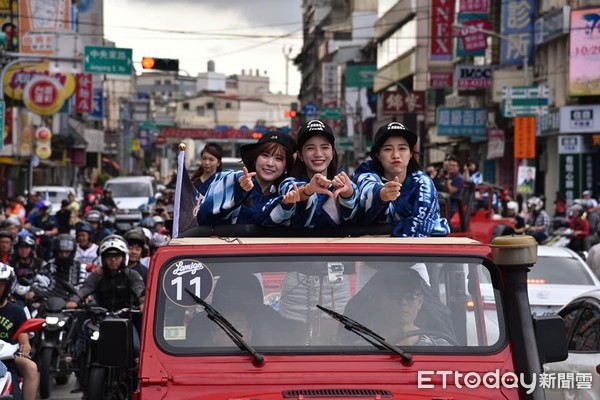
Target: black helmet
[25,241]
[64,242]
[135,236]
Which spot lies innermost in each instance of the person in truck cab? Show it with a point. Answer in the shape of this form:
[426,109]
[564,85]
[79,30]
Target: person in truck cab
[315,195]
[238,197]
[399,305]
[393,189]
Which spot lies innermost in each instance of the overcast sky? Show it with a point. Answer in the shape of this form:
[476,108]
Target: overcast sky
[236,34]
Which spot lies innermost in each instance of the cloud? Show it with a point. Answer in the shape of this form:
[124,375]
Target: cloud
[276,13]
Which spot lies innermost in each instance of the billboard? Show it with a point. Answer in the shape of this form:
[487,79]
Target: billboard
[584,74]
[39,21]
[517,28]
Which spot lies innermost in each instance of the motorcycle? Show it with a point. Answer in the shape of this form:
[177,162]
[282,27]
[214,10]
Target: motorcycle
[102,382]
[561,237]
[8,351]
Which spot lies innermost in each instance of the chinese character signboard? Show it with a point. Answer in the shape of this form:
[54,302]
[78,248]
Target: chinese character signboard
[440,80]
[462,121]
[525,100]
[584,74]
[83,93]
[329,83]
[107,60]
[39,21]
[496,143]
[442,19]
[97,105]
[517,26]
[43,95]
[524,137]
[400,102]
[570,171]
[473,41]
[475,6]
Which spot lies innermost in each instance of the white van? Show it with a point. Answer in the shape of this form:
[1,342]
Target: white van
[131,194]
[54,194]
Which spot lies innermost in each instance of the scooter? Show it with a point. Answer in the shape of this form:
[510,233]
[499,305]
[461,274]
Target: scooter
[8,351]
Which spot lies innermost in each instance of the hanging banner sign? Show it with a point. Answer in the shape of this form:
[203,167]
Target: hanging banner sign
[43,95]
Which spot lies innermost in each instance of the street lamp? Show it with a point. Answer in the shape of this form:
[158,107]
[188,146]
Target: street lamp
[471,29]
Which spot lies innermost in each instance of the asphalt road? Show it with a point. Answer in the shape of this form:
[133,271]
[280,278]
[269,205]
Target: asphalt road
[63,392]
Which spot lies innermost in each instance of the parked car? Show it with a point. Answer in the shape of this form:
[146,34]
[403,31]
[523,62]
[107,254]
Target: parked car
[559,276]
[131,195]
[54,194]
[582,320]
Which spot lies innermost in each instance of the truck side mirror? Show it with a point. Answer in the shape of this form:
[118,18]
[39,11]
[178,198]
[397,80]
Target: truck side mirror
[115,344]
[551,337]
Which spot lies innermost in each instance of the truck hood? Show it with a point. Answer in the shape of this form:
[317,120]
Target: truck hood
[131,203]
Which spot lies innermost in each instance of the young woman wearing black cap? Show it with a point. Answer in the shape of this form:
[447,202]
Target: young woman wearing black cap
[238,197]
[393,189]
[327,198]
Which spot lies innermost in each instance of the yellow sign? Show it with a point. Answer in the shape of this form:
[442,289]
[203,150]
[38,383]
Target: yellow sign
[43,95]
[19,75]
[135,145]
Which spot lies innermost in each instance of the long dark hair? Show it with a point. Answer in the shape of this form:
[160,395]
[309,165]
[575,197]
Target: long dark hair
[299,167]
[214,150]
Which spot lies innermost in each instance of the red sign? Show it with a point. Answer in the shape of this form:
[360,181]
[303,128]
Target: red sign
[43,95]
[472,35]
[441,29]
[160,140]
[475,6]
[400,102]
[83,93]
[196,133]
[440,80]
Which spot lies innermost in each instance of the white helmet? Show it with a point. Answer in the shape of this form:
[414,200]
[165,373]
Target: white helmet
[158,219]
[513,205]
[147,234]
[7,273]
[114,244]
[160,240]
[535,202]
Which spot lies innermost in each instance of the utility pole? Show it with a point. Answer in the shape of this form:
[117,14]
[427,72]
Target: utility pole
[287,54]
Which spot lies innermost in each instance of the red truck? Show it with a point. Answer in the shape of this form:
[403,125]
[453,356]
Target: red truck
[251,314]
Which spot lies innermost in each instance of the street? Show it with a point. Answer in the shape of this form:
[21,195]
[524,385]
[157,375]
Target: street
[63,392]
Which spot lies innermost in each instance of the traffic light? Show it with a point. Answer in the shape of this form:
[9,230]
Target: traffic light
[290,114]
[161,64]
[256,135]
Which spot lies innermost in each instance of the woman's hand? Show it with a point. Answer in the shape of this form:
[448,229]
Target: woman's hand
[343,185]
[318,184]
[293,196]
[391,190]
[245,180]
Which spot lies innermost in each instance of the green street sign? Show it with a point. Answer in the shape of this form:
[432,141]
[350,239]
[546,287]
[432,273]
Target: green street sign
[330,113]
[2,112]
[108,60]
[360,76]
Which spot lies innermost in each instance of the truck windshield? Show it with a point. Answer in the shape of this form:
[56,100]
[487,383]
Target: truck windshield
[130,189]
[425,305]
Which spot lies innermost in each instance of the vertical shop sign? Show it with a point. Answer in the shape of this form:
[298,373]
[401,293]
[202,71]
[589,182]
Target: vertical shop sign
[83,93]
[570,171]
[441,30]
[524,137]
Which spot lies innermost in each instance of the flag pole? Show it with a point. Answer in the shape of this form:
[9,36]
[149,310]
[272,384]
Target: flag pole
[178,185]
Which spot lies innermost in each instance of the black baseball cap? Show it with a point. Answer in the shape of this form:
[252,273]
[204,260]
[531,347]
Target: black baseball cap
[312,128]
[393,129]
[272,136]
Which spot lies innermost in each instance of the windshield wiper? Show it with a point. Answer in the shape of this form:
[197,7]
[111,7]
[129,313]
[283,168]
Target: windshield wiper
[229,329]
[367,334]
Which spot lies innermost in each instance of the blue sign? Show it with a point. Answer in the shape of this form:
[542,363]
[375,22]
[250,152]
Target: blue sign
[97,105]
[517,31]
[144,136]
[462,121]
[310,109]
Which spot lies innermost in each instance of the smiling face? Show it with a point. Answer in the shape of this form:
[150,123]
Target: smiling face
[317,154]
[270,166]
[394,156]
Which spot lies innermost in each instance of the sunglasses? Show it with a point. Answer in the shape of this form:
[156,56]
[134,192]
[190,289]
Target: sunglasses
[406,296]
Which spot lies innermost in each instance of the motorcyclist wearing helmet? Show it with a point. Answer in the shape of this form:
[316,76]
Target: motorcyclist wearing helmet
[580,226]
[13,225]
[25,263]
[108,200]
[512,211]
[136,243]
[116,286]
[42,219]
[538,221]
[95,220]
[6,242]
[63,268]
[87,251]
[148,223]
[13,316]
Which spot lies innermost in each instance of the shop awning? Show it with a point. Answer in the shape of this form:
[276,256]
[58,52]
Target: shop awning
[12,161]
